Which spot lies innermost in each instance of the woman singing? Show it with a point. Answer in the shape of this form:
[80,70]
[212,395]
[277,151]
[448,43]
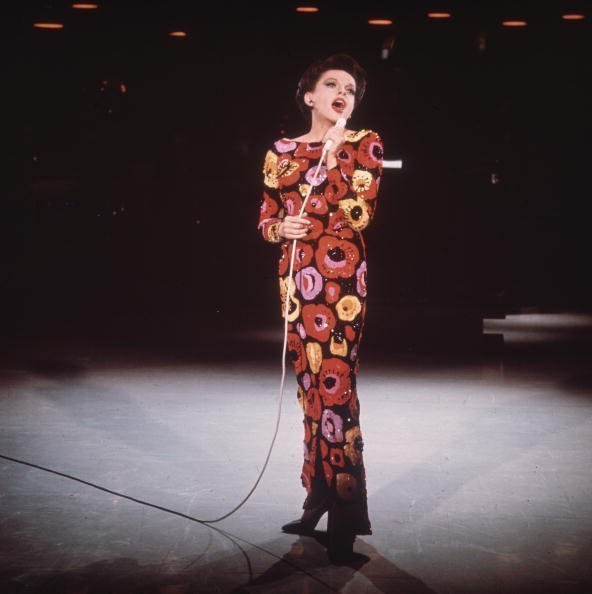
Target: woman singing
[327,298]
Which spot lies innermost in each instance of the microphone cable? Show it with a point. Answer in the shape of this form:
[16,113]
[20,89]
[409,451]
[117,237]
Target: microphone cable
[286,311]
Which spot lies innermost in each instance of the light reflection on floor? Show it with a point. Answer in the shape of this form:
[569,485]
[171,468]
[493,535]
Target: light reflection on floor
[479,470]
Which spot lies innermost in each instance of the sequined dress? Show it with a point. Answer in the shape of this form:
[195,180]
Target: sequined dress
[327,305]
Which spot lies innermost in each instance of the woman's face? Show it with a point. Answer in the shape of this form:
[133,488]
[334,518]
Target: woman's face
[334,95]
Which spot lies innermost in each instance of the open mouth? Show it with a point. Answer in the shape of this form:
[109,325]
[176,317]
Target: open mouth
[338,105]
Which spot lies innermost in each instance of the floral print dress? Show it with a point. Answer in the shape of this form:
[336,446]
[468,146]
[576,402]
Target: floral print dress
[327,305]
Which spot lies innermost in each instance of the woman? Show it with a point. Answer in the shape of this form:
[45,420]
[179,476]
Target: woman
[327,300]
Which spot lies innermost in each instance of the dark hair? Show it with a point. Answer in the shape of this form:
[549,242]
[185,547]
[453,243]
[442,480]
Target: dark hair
[334,62]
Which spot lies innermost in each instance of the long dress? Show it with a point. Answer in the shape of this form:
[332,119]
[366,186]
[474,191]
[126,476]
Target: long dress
[327,306]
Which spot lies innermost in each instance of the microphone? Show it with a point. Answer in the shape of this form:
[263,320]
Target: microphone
[340,123]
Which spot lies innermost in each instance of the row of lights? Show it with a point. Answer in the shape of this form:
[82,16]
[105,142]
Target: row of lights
[313,9]
[89,6]
[447,15]
[506,23]
[42,25]
[565,17]
[76,6]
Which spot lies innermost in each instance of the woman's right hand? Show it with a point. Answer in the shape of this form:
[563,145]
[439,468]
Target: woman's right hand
[294,227]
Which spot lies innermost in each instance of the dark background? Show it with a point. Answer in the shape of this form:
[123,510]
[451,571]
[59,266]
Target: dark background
[141,201]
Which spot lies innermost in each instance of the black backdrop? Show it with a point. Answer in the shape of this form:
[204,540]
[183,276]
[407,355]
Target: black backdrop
[133,158]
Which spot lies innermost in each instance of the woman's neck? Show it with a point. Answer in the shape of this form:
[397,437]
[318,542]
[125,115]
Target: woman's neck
[318,130]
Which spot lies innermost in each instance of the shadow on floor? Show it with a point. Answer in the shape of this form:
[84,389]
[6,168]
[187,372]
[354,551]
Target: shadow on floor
[303,568]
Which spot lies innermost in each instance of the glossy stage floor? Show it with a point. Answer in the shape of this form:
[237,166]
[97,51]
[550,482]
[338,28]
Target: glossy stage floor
[479,467]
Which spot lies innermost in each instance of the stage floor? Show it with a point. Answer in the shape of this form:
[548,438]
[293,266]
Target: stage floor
[479,471]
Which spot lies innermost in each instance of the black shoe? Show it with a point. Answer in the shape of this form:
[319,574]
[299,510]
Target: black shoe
[307,526]
[340,542]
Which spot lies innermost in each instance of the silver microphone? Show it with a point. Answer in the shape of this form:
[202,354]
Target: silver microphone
[340,123]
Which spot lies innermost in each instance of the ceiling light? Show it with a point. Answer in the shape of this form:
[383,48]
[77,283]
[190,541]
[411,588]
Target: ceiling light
[48,25]
[514,23]
[380,22]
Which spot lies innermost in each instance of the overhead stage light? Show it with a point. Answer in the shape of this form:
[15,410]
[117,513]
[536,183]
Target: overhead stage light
[380,22]
[48,25]
[514,23]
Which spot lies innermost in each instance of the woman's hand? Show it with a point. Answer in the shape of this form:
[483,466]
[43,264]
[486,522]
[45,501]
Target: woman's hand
[337,136]
[294,227]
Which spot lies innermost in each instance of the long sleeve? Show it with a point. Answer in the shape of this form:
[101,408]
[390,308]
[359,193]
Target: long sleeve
[271,210]
[359,204]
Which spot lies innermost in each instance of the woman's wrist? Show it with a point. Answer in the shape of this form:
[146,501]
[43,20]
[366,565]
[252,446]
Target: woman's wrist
[273,232]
